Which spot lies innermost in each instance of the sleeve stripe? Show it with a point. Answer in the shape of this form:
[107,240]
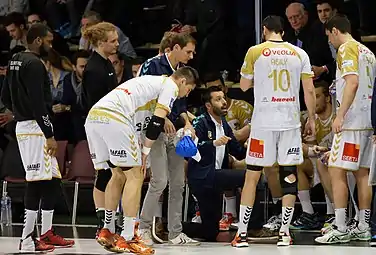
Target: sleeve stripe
[349,73]
[247,76]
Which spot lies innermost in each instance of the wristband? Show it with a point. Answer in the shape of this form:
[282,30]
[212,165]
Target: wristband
[146,150]
[311,152]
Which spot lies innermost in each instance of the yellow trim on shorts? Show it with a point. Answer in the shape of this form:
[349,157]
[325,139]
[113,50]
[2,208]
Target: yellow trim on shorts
[31,134]
[359,129]
[104,112]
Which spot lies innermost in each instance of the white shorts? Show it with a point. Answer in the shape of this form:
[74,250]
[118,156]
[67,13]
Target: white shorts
[265,148]
[351,149]
[112,139]
[38,164]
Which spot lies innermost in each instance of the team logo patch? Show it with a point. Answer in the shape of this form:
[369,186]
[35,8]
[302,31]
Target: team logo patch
[351,152]
[266,52]
[256,148]
[210,135]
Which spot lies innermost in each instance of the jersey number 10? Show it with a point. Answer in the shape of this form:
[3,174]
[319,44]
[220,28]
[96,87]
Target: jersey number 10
[277,77]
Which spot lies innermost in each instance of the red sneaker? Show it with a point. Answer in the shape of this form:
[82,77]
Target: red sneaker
[34,246]
[51,238]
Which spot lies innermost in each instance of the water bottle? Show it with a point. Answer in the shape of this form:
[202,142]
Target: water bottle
[6,210]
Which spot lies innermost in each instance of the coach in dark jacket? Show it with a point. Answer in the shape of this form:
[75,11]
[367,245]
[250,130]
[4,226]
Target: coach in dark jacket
[209,177]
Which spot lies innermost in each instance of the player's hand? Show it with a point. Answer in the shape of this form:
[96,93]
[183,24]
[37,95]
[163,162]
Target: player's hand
[58,108]
[318,70]
[51,146]
[310,127]
[325,158]
[6,117]
[337,125]
[190,128]
[222,141]
[169,127]
[373,139]
[143,164]
[319,149]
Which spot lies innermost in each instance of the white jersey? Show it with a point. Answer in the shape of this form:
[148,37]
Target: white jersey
[276,69]
[355,58]
[137,98]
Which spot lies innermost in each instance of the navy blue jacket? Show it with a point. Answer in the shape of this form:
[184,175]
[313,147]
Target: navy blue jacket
[202,173]
[159,65]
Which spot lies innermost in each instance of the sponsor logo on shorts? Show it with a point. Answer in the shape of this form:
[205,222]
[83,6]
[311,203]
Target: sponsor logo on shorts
[350,152]
[256,148]
[283,99]
[293,151]
[33,167]
[118,153]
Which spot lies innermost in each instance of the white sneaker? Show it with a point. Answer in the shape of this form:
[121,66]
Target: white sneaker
[326,229]
[183,239]
[197,219]
[234,225]
[274,222]
[334,236]
[146,236]
[356,234]
[284,240]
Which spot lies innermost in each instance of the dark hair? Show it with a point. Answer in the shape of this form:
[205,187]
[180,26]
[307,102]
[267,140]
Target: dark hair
[40,16]
[324,85]
[206,96]
[181,39]
[340,22]
[189,73]
[80,54]
[15,18]
[92,15]
[330,2]
[213,76]
[58,61]
[137,61]
[273,24]
[37,30]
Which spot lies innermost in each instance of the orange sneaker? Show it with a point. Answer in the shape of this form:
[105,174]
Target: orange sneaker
[105,238]
[225,222]
[240,240]
[120,245]
[139,247]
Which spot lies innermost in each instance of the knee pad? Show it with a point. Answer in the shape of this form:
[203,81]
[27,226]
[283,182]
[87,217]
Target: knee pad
[103,177]
[288,187]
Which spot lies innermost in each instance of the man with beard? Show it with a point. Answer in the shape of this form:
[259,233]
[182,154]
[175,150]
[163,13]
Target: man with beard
[26,92]
[211,176]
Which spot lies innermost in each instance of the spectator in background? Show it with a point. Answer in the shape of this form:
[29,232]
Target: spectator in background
[136,65]
[58,67]
[72,94]
[15,24]
[6,6]
[91,18]
[59,43]
[123,71]
[325,10]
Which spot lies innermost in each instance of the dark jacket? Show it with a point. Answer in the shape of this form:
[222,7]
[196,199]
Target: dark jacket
[373,109]
[202,173]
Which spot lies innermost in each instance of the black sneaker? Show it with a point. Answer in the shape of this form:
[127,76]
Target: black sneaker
[307,221]
[373,241]
[263,234]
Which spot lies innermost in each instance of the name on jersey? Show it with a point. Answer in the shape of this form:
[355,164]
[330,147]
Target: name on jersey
[279,62]
[283,99]
[118,153]
[279,52]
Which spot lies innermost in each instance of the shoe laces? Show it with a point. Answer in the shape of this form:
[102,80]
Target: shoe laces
[59,238]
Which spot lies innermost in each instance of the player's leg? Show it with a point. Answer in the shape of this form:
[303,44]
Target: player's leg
[361,231]
[272,176]
[260,142]
[351,183]
[102,177]
[290,155]
[343,155]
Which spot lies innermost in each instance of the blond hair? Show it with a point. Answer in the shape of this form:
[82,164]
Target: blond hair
[166,41]
[98,32]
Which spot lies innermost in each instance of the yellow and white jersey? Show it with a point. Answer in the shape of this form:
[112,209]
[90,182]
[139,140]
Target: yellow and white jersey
[355,58]
[140,94]
[239,114]
[324,134]
[276,69]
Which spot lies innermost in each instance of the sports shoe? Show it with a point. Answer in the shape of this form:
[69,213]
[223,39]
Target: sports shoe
[262,234]
[357,234]
[52,239]
[197,218]
[333,236]
[373,241]
[138,246]
[306,221]
[240,240]
[146,236]
[31,245]
[284,239]
[183,239]
[352,223]
[274,222]
[329,219]
[106,238]
[225,222]
[234,225]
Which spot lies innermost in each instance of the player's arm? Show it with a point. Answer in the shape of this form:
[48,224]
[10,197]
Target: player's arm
[34,83]
[373,110]
[235,148]
[6,98]
[242,134]
[247,71]
[306,76]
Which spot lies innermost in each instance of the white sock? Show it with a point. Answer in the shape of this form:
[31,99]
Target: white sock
[305,201]
[341,219]
[329,206]
[287,214]
[128,228]
[99,209]
[158,213]
[29,222]
[109,221]
[364,218]
[47,221]
[351,182]
[231,206]
[245,215]
[276,199]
